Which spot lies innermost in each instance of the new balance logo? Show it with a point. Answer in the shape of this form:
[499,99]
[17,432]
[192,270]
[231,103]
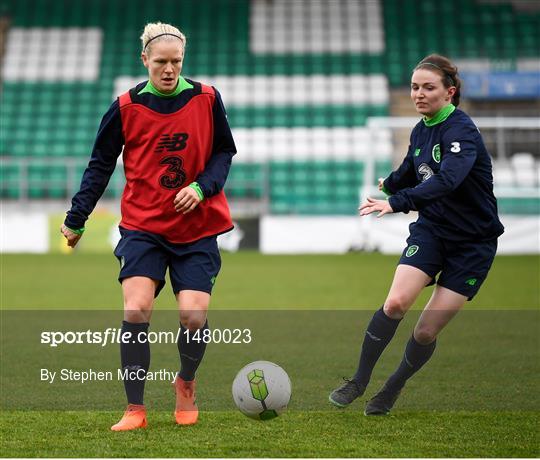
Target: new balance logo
[172,143]
[133,367]
[471,281]
[195,360]
[373,337]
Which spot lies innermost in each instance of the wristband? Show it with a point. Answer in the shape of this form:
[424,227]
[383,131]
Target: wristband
[78,231]
[195,186]
[386,191]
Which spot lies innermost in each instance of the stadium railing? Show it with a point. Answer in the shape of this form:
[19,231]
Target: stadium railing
[296,186]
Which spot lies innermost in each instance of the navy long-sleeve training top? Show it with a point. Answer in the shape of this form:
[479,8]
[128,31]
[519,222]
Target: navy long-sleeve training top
[447,177]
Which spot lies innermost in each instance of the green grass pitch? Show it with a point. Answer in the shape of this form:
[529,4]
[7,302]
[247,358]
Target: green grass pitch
[478,396]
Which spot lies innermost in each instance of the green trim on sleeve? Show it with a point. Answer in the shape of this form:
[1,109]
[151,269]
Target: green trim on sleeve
[386,191]
[195,186]
[78,231]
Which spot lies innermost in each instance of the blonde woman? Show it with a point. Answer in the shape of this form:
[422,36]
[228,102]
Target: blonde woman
[177,151]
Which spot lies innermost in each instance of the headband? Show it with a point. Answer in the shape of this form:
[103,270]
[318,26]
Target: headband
[445,73]
[161,35]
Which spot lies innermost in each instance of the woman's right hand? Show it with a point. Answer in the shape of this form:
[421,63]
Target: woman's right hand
[373,205]
[71,237]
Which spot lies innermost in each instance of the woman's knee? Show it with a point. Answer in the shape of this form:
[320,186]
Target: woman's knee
[193,320]
[138,298]
[138,308]
[424,334]
[193,306]
[133,315]
[396,306]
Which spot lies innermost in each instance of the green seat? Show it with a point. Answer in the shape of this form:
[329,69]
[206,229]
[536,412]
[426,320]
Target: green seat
[56,186]
[382,169]
[245,181]
[521,206]
[317,187]
[10,181]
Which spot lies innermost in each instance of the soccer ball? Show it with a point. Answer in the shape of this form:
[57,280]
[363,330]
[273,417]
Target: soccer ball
[261,390]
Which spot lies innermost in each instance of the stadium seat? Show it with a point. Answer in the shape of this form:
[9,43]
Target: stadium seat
[503,175]
[519,206]
[524,168]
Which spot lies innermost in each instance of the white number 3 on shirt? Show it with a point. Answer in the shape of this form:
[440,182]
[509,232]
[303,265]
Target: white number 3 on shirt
[455,147]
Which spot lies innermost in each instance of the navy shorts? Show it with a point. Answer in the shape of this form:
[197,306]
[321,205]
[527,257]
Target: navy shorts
[192,266]
[463,265]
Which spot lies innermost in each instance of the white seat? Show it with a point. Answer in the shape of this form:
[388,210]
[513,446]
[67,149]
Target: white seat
[526,178]
[522,160]
[75,53]
[260,144]
[316,26]
[523,165]
[503,176]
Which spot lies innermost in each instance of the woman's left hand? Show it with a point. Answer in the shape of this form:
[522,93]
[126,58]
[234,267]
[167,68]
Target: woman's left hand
[373,205]
[186,200]
[71,237]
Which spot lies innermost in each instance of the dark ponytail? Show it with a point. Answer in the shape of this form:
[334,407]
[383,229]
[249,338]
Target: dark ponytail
[446,69]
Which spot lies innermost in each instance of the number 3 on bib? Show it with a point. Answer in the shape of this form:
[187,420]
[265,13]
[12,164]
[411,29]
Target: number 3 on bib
[175,176]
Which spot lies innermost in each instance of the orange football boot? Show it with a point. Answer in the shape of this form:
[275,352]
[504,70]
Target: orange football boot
[134,418]
[186,412]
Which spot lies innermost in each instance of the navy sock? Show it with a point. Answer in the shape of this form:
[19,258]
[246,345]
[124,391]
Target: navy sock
[135,359]
[379,332]
[191,347]
[416,355]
